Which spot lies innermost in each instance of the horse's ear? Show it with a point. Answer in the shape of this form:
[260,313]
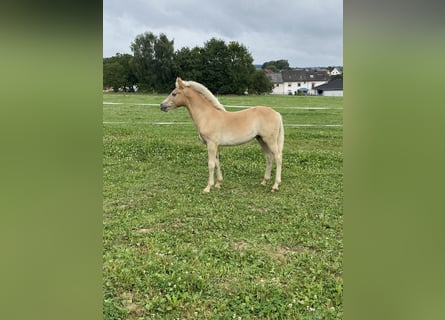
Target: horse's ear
[179,83]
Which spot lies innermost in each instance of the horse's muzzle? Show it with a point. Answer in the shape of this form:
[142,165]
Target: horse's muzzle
[164,107]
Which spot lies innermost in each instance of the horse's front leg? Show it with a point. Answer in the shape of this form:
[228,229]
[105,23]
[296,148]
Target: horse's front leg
[212,150]
[219,176]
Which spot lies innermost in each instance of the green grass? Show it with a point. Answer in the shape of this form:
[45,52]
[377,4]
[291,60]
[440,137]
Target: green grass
[171,252]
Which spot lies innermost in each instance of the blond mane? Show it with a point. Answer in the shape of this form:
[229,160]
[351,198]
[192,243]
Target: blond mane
[205,92]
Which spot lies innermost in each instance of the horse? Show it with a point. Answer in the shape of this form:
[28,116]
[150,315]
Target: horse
[218,127]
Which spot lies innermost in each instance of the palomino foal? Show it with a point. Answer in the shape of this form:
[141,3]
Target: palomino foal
[217,127]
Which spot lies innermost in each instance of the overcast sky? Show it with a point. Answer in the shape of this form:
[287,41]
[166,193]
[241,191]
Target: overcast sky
[305,32]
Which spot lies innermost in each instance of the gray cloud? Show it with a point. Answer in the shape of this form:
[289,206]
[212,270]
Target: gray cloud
[307,33]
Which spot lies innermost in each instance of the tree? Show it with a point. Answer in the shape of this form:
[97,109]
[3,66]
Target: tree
[163,63]
[188,64]
[142,62]
[117,72]
[276,65]
[260,83]
[215,66]
[154,65]
[225,68]
[153,61]
[241,68]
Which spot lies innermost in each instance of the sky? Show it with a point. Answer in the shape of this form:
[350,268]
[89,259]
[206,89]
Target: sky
[307,33]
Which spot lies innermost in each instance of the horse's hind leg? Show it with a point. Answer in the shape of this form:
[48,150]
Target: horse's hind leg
[273,153]
[278,161]
[269,160]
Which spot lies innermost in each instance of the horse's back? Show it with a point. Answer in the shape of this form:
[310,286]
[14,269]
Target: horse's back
[257,110]
[253,115]
[267,113]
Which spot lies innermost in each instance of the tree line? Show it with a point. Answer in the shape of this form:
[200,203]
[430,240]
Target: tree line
[276,65]
[224,68]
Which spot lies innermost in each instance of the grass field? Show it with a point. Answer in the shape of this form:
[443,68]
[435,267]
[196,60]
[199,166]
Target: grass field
[241,252]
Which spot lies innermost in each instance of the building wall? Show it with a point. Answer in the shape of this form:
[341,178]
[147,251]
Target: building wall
[294,86]
[286,87]
[333,93]
[279,89]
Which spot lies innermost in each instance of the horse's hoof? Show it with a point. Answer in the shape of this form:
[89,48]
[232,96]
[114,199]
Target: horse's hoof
[218,186]
[264,182]
[206,190]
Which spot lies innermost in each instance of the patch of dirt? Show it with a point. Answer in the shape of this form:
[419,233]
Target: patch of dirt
[284,253]
[131,305]
[240,246]
[146,230]
[257,209]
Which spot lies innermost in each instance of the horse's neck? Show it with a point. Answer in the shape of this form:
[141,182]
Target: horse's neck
[201,110]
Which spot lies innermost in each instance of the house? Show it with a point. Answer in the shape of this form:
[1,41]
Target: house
[297,81]
[336,71]
[277,79]
[333,88]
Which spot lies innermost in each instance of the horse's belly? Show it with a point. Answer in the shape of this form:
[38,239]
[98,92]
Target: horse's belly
[233,140]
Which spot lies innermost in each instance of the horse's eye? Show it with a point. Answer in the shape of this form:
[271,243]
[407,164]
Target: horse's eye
[174,94]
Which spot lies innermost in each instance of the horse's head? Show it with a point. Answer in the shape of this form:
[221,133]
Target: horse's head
[176,98]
